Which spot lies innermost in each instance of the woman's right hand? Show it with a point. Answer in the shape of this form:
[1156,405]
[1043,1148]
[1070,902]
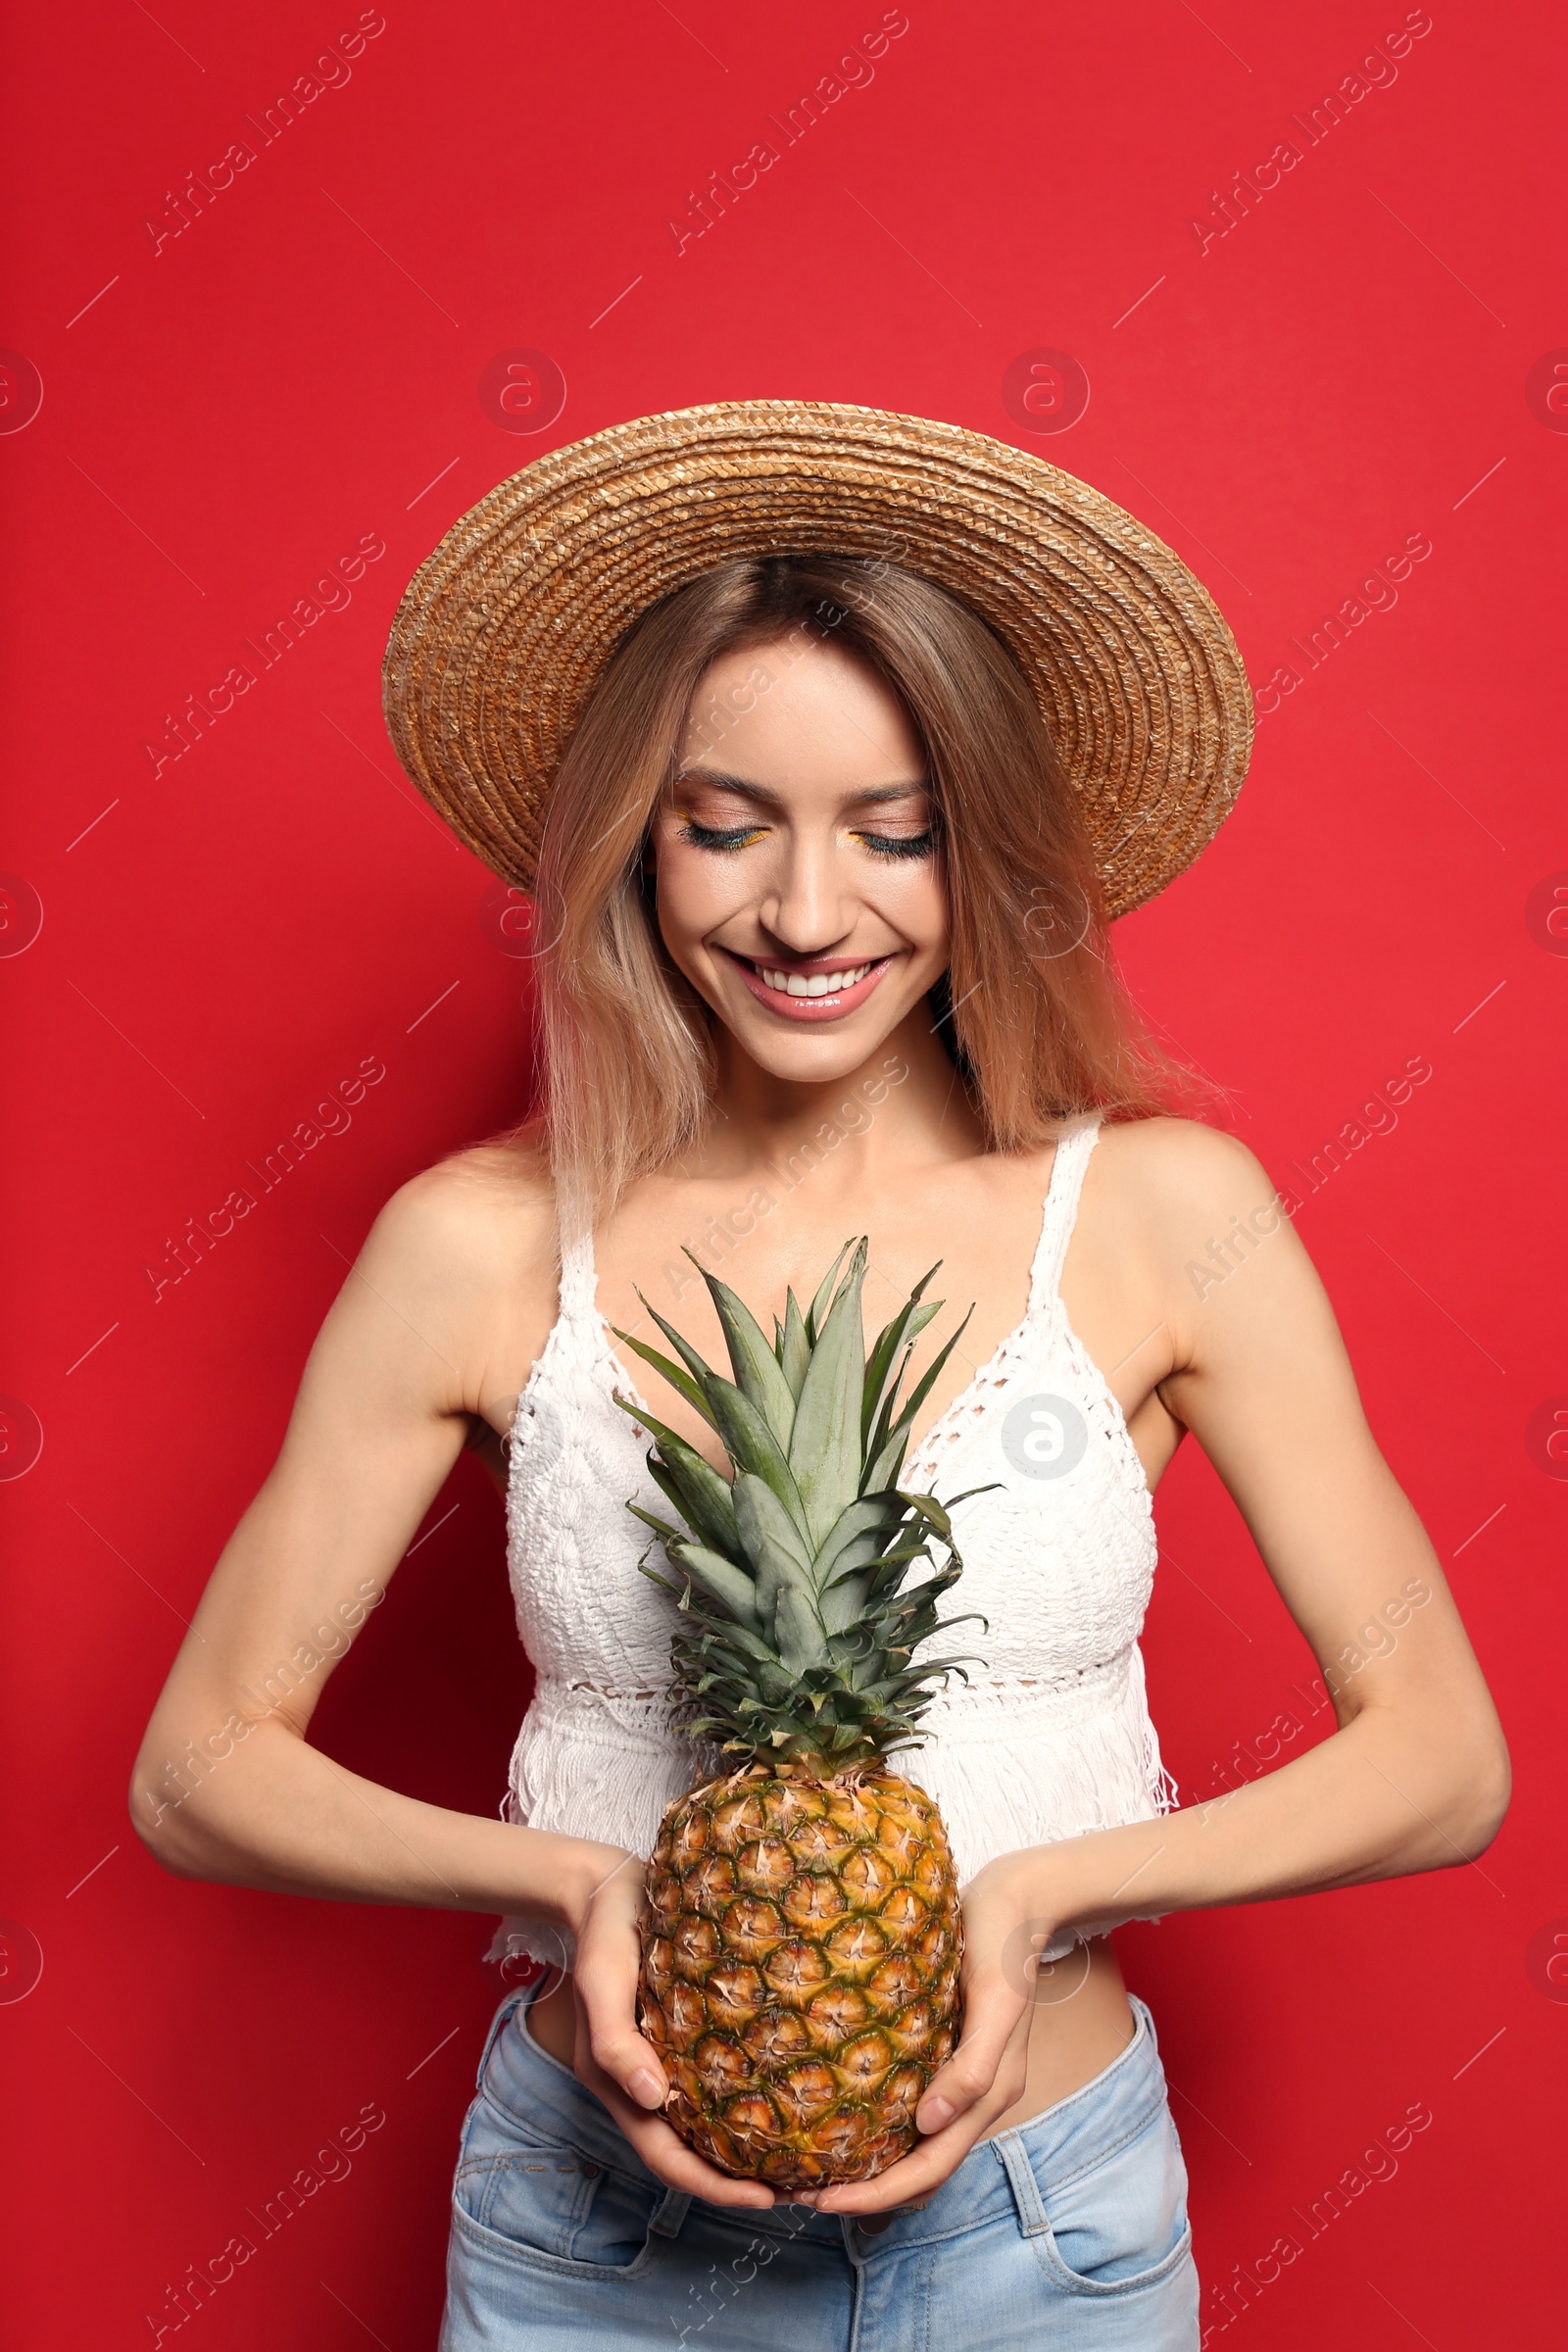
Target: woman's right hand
[612,2059]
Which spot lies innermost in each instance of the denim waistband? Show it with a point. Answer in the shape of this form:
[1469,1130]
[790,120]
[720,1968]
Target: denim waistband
[533,2092]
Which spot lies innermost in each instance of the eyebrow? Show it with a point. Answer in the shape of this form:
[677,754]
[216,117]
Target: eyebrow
[772,800]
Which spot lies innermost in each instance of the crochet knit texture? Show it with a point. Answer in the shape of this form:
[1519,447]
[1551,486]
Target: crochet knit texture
[1049,1739]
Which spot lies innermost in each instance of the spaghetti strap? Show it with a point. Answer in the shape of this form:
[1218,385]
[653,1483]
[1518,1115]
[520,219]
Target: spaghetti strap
[1050,1738]
[579,1281]
[1061,1212]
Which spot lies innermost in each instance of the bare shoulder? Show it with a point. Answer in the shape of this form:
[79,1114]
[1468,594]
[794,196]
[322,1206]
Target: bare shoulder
[452,1296]
[1194,1207]
[475,1229]
[1172,1190]
[1177,1168]
[486,1209]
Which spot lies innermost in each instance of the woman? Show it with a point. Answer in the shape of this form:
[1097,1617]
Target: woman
[830,742]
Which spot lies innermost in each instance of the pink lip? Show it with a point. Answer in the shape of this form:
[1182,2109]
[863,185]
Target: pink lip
[809,1009]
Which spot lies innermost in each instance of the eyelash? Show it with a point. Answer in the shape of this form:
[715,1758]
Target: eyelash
[741,836]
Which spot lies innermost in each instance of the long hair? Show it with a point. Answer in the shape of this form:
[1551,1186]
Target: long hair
[1031,1008]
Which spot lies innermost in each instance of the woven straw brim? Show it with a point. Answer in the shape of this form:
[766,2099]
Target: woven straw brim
[506,628]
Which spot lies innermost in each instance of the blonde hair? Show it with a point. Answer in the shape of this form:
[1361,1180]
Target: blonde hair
[1031,1008]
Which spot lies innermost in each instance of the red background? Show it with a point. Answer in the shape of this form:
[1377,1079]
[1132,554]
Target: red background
[224,416]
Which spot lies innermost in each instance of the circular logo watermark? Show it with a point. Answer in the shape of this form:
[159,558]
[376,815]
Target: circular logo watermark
[1546,913]
[526,1957]
[1045,1437]
[21,391]
[510,919]
[1045,1983]
[1547,1436]
[1058,919]
[522,391]
[21,1960]
[21,1438]
[21,915]
[1546,390]
[1546,1960]
[1045,391]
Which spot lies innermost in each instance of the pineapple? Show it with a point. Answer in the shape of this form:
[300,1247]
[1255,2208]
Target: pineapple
[801,1932]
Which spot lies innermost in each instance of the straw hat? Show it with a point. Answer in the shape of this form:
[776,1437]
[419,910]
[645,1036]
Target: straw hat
[505,629]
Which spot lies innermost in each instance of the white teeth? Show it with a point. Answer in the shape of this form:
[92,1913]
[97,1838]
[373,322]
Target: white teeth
[818,984]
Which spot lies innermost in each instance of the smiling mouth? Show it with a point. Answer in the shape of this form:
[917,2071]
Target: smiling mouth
[811,984]
[815,987]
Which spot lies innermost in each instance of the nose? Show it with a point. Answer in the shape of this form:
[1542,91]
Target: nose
[806,905]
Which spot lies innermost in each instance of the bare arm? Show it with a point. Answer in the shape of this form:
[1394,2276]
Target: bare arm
[1416,1775]
[227,1786]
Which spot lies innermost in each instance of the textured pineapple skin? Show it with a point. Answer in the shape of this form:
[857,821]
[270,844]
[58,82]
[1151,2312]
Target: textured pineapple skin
[800,1946]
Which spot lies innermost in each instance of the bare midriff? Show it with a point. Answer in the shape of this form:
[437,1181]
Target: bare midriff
[1081,2022]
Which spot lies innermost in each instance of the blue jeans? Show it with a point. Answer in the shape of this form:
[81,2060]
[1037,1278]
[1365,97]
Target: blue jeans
[1069,2230]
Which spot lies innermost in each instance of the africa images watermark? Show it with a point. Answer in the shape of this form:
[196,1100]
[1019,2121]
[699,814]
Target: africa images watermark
[721,1236]
[1229,2298]
[1376,1639]
[1378,1115]
[183,206]
[333,1639]
[1377,70]
[201,2281]
[184,731]
[183,1254]
[853,71]
[1376,592]
[712,2296]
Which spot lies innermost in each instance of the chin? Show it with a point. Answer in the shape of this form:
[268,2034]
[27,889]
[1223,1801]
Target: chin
[815,1056]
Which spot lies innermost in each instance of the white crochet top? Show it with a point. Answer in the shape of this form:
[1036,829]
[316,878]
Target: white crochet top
[1049,1739]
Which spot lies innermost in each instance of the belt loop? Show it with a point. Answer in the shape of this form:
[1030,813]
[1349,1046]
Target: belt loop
[1022,2179]
[497,2023]
[670,2212]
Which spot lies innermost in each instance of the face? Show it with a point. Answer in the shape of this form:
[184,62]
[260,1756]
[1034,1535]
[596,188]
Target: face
[800,887]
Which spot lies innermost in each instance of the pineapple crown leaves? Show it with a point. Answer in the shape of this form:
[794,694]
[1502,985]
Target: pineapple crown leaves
[801,1620]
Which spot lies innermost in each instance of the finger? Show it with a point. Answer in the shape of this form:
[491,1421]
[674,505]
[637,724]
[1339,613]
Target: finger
[930,2162]
[626,2058]
[916,2177]
[667,2154]
[995,2017]
[606,1982]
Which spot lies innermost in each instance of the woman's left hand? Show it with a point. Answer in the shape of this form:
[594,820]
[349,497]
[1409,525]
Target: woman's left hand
[987,2071]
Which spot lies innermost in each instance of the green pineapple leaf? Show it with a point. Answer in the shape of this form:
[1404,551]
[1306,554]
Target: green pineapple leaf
[905,1328]
[729,1583]
[825,1445]
[701,1498]
[677,1379]
[756,1369]
[682,1347]
[801,1632]
[704,1497]
[772,1543]
[795,1348]
[750,1444]
[818,1308]
[888,1429]
[801,1642]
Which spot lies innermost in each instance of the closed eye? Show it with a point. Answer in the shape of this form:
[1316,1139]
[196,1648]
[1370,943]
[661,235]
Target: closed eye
[741,836]
[900,844]
[732,837]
